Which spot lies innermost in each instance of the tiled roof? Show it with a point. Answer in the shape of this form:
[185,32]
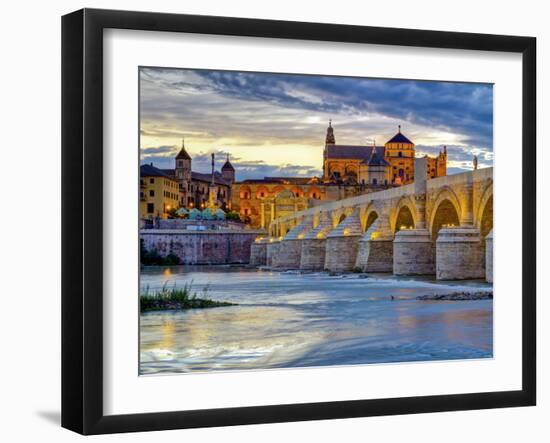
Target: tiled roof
[199,176]
[148,170]
[353,152]
[377,160]
[228,166]
[399,138]
[183,154]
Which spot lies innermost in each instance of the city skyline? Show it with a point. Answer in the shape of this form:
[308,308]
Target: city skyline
[275,124]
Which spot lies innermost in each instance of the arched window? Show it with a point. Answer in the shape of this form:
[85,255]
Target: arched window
[374,181]
[400,154]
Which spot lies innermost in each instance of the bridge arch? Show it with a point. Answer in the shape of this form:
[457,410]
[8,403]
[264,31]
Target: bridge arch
[404,214]
[368,216]
[445,213]
[485,211]
[448,205]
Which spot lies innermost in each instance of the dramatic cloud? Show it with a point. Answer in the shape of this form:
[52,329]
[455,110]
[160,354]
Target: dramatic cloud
[274,124]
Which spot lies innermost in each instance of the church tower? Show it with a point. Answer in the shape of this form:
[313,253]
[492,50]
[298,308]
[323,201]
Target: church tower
[399,153]
[183,175]
[228,171]
[329,141]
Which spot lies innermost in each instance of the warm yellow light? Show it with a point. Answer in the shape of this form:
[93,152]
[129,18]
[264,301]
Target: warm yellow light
[168,207]
[301,236]
[346,231]
[280,238]
[375,235]
[271,240]
[320,235]
[259,239]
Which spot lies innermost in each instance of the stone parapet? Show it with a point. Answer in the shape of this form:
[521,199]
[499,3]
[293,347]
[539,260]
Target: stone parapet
[489,257]
[413,253]
[460,254]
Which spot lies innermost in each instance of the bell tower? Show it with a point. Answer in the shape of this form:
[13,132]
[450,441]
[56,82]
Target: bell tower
[329,141]
[183,174]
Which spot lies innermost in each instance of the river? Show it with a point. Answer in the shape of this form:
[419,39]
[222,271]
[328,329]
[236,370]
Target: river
[298,320]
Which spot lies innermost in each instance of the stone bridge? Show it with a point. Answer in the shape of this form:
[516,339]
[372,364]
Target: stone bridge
[441,226]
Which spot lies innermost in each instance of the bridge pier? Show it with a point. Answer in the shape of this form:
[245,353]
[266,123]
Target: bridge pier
[375,250]
[258,252]
[342,243]
[413,253]
[314,245]
[272,251]
[489,257]
[290,249]
[460,254]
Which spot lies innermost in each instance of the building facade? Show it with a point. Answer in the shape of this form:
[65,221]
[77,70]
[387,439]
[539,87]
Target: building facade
[158,192]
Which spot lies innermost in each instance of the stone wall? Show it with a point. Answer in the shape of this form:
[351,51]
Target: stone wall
[460,254]
[272,252]
[290,252]
[340,253]
[489,257]
[313,254]
[258,254]
[413,253]
[375,255]
[204,247]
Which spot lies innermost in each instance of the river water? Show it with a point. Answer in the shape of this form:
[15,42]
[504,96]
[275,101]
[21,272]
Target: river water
[297,320]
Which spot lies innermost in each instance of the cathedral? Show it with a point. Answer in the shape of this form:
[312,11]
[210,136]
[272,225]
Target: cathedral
[391,164]
[348,170]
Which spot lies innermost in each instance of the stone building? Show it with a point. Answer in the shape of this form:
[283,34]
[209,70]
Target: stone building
[391,164]
[158,192]
[196,188]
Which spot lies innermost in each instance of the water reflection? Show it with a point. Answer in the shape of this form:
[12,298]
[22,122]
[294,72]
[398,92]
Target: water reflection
[290,320]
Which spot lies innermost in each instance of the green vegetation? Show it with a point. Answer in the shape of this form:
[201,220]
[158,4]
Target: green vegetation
[153,258]
[177,299]
[233,216]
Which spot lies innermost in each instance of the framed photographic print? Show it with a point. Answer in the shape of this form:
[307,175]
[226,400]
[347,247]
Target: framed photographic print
[270,221]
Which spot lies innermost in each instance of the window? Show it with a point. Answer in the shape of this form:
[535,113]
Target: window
[400,154]
[150,208]
[151,192]
[152,180]
[374,181]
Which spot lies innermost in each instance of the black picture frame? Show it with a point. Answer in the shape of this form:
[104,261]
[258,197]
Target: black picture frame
[82,218]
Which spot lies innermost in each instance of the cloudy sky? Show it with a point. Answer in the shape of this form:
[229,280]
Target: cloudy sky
[275,124]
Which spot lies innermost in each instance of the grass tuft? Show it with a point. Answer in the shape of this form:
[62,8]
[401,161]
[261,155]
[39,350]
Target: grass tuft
[177,299]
